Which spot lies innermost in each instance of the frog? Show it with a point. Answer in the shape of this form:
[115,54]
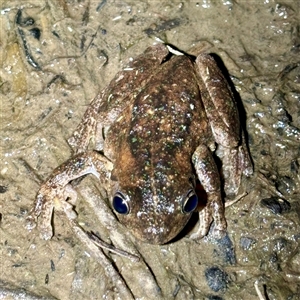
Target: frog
[148,138]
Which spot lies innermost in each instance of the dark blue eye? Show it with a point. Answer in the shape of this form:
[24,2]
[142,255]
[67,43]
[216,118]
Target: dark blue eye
[120,204]
[190,202]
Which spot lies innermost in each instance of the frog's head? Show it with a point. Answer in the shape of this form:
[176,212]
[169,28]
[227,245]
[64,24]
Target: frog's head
[155,210]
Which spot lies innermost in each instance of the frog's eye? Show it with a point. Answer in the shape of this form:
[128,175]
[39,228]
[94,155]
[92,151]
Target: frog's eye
[120,204]
[189,202]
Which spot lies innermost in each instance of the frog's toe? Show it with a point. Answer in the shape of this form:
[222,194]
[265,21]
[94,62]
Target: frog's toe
[218,233]
[231,187]
[248,170]
[46,232]
[197,235]
[69,210]
[44,229]
[69,193]
[220,228]
[30,222]
[205,220]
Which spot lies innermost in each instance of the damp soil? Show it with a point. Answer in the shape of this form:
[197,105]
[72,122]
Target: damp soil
[57,55]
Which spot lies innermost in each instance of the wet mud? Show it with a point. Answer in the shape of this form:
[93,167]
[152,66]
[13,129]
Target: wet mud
[56,56]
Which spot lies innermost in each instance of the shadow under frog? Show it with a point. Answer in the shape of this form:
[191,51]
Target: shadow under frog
[152,132]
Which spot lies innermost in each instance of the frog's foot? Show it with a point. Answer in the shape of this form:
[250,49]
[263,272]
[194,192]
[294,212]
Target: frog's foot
[47,199]
[213,212]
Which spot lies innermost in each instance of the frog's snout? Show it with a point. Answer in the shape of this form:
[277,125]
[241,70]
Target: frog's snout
[155,222]
[157,236]
[158,229]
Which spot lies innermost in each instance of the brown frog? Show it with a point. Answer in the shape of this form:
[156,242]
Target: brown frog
[152,132]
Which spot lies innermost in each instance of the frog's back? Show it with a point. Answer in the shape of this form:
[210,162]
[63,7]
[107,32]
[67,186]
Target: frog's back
[167,115]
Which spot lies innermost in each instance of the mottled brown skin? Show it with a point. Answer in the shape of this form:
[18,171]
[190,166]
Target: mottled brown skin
[152,149]
[157,124]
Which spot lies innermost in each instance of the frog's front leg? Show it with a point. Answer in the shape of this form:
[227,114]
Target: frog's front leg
[223,116]
[209,177]
[55,191]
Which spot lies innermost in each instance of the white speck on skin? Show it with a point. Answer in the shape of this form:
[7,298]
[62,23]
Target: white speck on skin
[155,230]
[121,76]
[119,119]
[140,213]
[173,51]
[108,99]
[150,111]
[170,209]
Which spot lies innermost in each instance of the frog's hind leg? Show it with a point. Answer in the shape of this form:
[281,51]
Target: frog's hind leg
[223,116]
[208,175]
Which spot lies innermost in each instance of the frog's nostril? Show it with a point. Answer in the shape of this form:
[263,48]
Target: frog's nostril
[120,204]
[190,202]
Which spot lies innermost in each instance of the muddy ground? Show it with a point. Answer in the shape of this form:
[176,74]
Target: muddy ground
[56,56]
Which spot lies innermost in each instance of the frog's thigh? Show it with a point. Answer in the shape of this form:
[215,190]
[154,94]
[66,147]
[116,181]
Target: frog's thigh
[222,113]
[209,177]
[218,102]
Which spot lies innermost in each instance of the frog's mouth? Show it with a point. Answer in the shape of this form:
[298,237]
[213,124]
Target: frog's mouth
[162,231]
